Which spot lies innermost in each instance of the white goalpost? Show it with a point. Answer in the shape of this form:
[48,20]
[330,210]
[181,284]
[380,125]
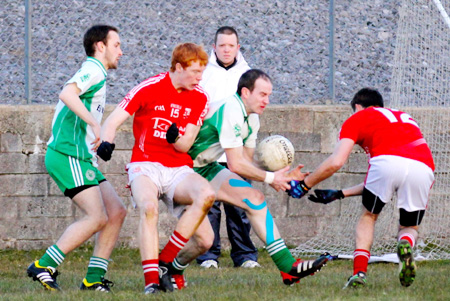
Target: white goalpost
[443,12]
[420,86]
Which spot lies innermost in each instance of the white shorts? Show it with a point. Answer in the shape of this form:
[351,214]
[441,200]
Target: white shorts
[165,178]
[410,179]
[219,179]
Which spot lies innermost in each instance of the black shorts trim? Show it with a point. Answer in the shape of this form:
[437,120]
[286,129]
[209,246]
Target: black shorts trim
[409,219]
[71,193]
[372,202]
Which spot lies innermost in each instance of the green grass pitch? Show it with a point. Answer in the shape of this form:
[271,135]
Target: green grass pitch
[227,283]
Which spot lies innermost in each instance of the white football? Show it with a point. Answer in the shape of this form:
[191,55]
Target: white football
[274,153]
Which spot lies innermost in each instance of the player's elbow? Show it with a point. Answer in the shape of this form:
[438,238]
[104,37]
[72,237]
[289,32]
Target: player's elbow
[181,148]
[63,95]
[336,164]
[184,144]
[69,92]
[234,166]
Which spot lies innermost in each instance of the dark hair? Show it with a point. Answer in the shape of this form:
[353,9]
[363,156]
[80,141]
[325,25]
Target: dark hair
[226,30]
[367,97]
[97,33]
[249,78]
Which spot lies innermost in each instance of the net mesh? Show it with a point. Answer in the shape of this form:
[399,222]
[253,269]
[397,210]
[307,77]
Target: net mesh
[420,87]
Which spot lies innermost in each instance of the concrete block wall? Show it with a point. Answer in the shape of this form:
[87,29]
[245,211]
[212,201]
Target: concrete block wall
[34,212]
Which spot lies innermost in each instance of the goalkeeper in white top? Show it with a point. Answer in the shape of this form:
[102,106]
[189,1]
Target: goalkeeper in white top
[231,127]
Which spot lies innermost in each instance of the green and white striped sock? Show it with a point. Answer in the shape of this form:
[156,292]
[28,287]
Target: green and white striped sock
[97,269]
[281,255]
[53,257]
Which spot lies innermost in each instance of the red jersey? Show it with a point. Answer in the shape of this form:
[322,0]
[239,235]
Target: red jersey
[382,131]
[156,105]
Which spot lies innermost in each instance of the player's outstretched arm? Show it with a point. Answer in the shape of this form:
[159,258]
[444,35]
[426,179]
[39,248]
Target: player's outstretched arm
[332,164]
[297,173]
[326,196]
[70,96]
[325,170]
[354,190]
[108,132]
[182,143]
[239,163]
[249,155]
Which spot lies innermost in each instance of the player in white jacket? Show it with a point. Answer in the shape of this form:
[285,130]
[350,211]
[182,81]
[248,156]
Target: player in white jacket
[220,80]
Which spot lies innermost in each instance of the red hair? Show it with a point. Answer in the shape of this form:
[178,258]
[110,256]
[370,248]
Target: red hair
[186,53]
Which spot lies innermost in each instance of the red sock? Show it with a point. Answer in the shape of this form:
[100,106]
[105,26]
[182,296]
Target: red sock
[360,261]
[175,244]
[409,238]
[151,274]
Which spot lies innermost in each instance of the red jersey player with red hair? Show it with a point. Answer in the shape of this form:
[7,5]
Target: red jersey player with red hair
[400,162]
[168,109]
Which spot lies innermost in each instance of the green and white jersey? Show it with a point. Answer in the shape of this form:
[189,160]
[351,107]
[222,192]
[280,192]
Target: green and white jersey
[70,134]
[226,125]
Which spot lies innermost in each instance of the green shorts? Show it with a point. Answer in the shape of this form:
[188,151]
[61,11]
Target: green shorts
[209,171]
[69,172]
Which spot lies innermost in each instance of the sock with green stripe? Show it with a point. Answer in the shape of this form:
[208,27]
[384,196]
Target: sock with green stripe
[281,255]
[53,257]
[178,268]
[97,269]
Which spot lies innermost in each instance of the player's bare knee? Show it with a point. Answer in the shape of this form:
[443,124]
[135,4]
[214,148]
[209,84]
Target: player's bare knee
[204,245]
[207,245]
[208,197]
[119,214]
[256,197]
[205,242]
[100,222]
[149,210]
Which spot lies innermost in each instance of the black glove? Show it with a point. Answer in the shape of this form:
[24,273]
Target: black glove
[326,196]
[298,189]
[105,150]
[173,133]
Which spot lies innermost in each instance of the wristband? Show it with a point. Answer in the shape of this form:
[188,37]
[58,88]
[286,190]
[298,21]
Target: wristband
[270,176]
[304,186]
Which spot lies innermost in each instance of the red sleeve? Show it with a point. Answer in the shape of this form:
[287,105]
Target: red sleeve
[350,128]
[200,110]
[132,101]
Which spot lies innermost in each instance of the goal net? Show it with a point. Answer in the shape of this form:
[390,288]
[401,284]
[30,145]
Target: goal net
[420,86]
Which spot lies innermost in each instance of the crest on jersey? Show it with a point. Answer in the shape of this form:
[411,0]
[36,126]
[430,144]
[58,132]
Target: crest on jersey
[237,130]
[90,175]
[187,112]
[85,78]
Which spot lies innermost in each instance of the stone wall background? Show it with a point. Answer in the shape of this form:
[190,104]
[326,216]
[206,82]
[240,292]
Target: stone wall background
[288,39]
[34,213]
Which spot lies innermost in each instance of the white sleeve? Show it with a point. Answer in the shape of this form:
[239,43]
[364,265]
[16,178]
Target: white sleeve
[87,77]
